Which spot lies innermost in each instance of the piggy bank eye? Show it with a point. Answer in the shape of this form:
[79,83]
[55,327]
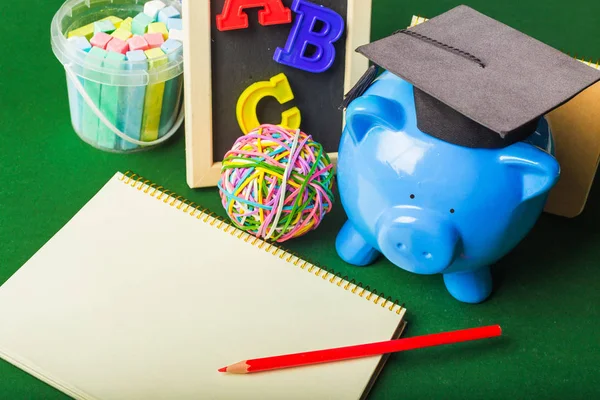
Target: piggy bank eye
[412,196]
[452,211]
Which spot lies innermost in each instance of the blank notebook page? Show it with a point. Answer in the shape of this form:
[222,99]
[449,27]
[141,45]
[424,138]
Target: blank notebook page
[138,299]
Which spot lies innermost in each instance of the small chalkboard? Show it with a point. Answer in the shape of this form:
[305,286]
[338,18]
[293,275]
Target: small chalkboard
[222,65]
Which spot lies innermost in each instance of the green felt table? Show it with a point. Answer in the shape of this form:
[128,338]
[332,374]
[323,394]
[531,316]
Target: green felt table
[546,293]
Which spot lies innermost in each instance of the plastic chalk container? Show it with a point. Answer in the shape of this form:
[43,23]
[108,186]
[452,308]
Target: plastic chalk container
[118,105]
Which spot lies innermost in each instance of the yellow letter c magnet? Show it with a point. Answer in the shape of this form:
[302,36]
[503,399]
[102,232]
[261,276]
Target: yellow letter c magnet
[277,87]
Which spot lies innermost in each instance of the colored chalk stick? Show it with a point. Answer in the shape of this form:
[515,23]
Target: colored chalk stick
[81,43]
[154,98]
[168,12]
[173,87]
[137,56]
[117,45]
[170,46]
[90,122]
[87,31]
[140,23]
[126,24]
[152,8]
[116,21]
[175,23]
[109,100]
[75,99]
[138,43]
[75,105]
[159,27]
[104,26]
[101,40]
[155,40]
[122,34]
[176,34]
[130,121]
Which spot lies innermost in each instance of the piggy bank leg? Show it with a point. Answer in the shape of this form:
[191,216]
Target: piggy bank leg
[470,287]
[352,248]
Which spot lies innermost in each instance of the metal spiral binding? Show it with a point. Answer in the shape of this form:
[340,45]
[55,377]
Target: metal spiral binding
[590,63]
[200,213]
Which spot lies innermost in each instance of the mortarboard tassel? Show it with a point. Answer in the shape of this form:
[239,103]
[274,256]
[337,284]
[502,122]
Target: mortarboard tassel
[361,87]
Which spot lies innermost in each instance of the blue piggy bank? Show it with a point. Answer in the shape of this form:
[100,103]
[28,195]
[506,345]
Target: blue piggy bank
[429,206]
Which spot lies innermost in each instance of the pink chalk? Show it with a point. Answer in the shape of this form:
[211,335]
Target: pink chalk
[101,40]
[138,43]
[117,46]
[154,39]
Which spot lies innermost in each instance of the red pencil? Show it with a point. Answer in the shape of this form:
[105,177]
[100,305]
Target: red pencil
[359,351]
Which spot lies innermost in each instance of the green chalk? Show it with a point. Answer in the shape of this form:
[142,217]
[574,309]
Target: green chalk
[104,26]
[173,87]
[140,23]
[90,121]
[110,103]
[87,31]
[130,118]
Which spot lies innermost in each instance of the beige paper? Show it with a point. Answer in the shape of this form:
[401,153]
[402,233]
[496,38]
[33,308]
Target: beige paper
[137,298]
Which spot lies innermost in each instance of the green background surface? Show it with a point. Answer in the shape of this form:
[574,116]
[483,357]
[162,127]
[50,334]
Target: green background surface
[546,291]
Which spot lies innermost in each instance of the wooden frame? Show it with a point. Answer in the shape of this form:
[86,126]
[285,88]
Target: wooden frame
[202,169]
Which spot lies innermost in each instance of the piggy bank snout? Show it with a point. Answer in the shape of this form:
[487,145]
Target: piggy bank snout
[417,241]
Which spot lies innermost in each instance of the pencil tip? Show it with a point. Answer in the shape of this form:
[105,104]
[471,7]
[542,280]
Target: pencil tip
[224,369]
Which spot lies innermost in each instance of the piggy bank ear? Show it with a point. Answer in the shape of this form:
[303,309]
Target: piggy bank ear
[539,170]
[370,111]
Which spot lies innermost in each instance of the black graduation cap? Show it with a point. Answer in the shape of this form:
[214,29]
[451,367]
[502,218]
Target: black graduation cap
[477,82]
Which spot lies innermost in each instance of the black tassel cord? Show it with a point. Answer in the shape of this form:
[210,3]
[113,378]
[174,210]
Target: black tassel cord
[361,87]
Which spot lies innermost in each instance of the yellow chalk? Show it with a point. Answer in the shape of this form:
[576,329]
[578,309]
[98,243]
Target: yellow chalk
[122,34]
[159,27]
[154,98]
[126,25]
[153,55]
[88,30]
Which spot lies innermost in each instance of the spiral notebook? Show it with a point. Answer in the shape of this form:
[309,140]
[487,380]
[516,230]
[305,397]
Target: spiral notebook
[144,296]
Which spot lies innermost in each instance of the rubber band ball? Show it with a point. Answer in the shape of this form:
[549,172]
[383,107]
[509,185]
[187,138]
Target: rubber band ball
[277,183]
